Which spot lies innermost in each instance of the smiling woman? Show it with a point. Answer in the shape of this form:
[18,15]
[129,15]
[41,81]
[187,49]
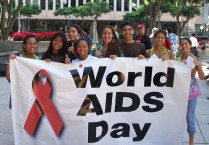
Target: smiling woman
[57,50]
[110,44]
[159,49]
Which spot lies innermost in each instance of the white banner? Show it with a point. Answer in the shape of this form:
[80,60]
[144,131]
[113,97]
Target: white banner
[125,101]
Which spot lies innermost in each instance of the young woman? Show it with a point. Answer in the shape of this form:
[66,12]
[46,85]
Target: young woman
[158,48]
[82,49]
[57,49]
[110,44]
[29,49]
[185,45]
[74,33]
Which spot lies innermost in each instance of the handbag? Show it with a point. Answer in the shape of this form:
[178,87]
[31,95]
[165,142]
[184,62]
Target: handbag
[194,89]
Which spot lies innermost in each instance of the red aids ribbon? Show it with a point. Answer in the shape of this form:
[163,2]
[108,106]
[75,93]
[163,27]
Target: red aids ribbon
[42,104]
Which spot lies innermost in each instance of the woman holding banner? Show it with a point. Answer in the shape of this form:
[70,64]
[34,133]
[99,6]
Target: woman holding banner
[57,49]
[185,45]
[29,45]
[110,44]
[82,49]
[158,48]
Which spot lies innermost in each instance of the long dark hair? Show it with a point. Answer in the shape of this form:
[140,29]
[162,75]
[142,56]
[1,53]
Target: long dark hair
[113,47]
[187,39]
[160,31]
[63,50]
[77,27]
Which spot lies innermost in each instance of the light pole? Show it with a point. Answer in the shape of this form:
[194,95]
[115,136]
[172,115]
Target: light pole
[46,20]
[19,24]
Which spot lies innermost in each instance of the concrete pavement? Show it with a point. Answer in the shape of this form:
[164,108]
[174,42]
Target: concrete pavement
[202,113]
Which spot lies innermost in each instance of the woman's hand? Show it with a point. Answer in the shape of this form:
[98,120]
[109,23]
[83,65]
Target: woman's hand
[67,59]
[197,63]
[113,56]
[47,60]
[184,61]
[165,58]
[12,56]
[141,57]
[71,49]
[98,53]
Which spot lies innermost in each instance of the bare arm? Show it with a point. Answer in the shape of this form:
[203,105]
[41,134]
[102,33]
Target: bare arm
[148,53]
[170,54]
[199,69]
[12,56]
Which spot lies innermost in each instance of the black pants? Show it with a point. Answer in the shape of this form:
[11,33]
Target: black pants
[194,51]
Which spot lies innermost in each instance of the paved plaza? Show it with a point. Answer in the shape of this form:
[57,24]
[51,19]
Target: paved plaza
[202,113]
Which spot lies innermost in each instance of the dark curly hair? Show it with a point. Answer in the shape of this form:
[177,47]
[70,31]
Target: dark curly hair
[113,48]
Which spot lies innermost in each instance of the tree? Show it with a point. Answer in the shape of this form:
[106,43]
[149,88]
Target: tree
[136,16]
[148,13]
[29,11]
[185,11]
[153,11]
[95,10]
[66,12]
[9,15]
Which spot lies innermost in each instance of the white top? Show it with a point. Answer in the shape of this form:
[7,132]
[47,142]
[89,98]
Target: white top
[194,42]
[90,57]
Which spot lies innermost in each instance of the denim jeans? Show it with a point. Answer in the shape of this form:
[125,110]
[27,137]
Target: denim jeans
[191,116]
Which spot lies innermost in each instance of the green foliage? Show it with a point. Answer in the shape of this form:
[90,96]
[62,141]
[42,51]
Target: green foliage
[30,10]
[183,10]
[138,15]
[8,16]
[95,9]
[167,7]
[67,12]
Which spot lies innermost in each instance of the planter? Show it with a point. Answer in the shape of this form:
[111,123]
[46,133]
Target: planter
[9,47]
[6,46]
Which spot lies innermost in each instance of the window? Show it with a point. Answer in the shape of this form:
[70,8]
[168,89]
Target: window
[80,2]
[111,3]
[50,4]
[118,5]
[35,2]
[27,2]
[65,3]
[73,3]
[126,3]
[57,4]
[43,4]
[134,5]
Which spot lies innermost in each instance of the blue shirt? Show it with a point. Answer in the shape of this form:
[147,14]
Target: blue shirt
[174,39]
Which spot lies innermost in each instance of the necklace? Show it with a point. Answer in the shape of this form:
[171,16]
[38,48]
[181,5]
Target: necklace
[159,53]
[181,57]
[24,55]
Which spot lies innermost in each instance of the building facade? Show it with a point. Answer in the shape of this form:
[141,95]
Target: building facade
[119,8]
